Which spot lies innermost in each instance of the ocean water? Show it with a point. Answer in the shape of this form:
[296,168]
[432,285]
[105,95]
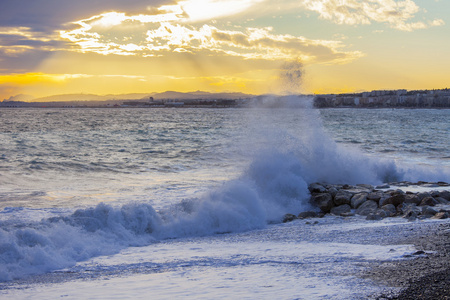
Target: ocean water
[114,203]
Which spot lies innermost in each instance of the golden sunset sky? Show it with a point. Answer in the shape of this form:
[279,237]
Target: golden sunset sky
[50,47]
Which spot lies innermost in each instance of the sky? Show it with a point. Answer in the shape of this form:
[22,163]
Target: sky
[50,47]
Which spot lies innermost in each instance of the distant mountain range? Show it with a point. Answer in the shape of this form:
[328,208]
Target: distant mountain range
[134,96]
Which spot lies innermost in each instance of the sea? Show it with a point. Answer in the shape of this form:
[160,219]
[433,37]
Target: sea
[116,203]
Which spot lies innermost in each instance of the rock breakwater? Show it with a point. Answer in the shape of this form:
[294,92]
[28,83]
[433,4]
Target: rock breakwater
[379,202]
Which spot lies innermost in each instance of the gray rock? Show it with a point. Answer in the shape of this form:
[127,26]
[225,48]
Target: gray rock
[367,208]
[383,186]
[428,210]
[307,214]
[441,215]
[375,196]
[390,210]
[365,186]
[434,194]
[317,188]
[342,197]
[348,214]
[397,192]
[289,218]
[408,209]
[445,195]
[442,200]
[341,209]
[423,195]
[333,191]
[324,201]
[358,199]
[412,198]
[396,199]
[430,185]
[377,215]
[430,201]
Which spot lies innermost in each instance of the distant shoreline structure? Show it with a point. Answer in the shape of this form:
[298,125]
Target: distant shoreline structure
[375,99]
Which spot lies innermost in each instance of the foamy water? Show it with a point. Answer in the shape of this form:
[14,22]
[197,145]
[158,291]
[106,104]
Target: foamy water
[80,185]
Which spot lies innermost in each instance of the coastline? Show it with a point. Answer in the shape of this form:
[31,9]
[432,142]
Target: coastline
[425,277]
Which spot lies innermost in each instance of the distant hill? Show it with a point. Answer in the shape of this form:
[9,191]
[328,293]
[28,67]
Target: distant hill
[20,97]
[133,96]
[92,97]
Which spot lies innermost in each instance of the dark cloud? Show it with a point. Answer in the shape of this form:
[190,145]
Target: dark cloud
[21,62]
[48,15]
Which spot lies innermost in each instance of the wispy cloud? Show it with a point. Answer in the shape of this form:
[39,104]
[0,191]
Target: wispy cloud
[397,14]
[167,31]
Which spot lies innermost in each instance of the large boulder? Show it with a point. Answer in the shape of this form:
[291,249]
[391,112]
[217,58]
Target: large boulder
[408,209]
[367,208]
[390,210]
[428,211]
[430,201]
[324,201]
[442,200]
[342,197]
[341,209]
[445,195]
[423,195]
[375,196]
[289,218]
[395,200]
[358,199]
[317,188]
[307,214]
[412,198]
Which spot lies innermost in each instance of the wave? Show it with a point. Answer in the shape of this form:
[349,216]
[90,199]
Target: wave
[274,183]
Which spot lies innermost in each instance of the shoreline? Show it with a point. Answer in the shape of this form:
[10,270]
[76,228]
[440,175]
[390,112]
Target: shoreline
[427,276]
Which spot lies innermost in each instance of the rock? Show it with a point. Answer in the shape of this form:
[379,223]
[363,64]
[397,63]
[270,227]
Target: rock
[397,192]
[442,200]
[333,191]
[367,208]
[358,199]
[383,186]
[423,195]
[375,196]
[412,198]
[365,186]
[390,210]
[445,195]
[396,199]
[382,201]
[289,218]
[324,201]
[317,188]
[342,197]
[307,214]
[341,209]
[442,183]
[428,211]
[441,215]
[378,215]
[430,185]
[348,214]
[434,194]
[430,201]
[409,209]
